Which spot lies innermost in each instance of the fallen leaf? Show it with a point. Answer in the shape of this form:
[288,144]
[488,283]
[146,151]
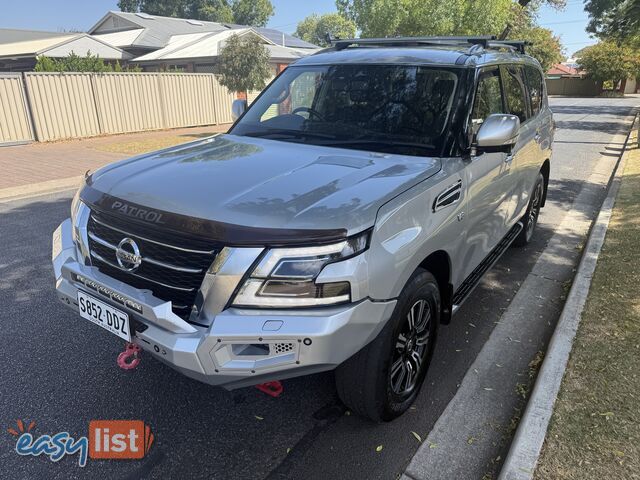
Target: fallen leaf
[288,450]
[433,445]
[379,448]
[258,417]
[418,437]
[488,389]
[471,324]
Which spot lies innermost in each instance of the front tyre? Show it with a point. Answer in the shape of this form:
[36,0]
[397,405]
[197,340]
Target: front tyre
[530,219]
[382,380]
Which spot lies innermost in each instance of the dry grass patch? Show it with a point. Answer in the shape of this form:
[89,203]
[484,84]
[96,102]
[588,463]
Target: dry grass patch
[595,428]
[137,147]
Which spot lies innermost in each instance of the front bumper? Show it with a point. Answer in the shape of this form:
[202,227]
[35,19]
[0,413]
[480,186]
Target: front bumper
[241,347]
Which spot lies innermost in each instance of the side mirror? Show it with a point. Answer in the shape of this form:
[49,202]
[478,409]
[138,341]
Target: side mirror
[237,108]
[498,133]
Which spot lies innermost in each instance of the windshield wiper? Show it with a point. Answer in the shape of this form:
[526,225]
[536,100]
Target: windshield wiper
[288,134]
[383,143]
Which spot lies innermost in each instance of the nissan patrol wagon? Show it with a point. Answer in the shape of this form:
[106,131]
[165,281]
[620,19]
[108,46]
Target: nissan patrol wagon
[345,216]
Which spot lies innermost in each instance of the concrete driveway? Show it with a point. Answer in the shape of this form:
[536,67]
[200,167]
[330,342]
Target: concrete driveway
[60,371]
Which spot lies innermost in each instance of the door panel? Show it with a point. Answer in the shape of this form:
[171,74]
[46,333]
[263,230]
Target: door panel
[487,177]
[487,206]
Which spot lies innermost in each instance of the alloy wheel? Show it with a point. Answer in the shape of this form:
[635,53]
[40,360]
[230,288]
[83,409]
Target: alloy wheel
[411,349]
[534,211]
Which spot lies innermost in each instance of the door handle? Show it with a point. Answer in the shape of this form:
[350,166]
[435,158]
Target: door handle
[508,159]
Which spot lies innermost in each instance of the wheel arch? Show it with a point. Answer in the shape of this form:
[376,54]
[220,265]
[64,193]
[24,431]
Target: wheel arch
[438,263]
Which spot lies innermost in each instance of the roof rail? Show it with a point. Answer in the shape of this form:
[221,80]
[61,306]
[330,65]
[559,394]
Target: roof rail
[484,41]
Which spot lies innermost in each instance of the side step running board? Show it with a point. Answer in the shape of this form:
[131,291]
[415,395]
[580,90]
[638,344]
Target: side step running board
[474,278]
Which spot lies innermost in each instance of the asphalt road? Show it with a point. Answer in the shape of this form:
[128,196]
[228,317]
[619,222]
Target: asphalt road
[60,371]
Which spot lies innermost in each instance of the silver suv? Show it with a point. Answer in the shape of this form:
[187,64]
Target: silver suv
[346,215]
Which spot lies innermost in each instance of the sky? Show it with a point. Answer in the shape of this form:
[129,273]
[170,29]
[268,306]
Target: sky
[58,15]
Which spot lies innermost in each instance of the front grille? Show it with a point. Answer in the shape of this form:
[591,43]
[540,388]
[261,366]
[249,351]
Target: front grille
[173,265]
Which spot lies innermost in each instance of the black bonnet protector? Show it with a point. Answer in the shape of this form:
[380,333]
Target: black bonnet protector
[219,232]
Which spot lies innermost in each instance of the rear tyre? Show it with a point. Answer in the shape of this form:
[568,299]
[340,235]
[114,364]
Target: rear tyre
[530,219]
[382,380]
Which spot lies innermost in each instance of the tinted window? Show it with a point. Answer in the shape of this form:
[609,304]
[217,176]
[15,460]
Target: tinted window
[515,92]
[389,108]
[488,98]
[535,87]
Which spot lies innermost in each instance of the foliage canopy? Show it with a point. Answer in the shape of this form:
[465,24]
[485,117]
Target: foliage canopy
[76,63]
[255,13]
[609,61]
[243,64]
[382,18]
[315,28]
[616,19]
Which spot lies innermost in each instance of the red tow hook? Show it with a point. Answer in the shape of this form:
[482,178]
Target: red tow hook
[130,358]
[273,389]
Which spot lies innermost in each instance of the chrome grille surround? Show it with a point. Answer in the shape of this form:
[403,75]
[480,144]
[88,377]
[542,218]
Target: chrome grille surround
[173,265]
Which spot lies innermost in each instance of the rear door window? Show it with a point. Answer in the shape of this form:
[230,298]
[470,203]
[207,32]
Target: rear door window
[515,92]
[535,86]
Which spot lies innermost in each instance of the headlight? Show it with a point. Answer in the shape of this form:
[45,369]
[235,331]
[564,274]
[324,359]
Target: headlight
[79,218]
[75,206]
[285,277]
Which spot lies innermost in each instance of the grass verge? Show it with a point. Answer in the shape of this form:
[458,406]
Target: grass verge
[595,428]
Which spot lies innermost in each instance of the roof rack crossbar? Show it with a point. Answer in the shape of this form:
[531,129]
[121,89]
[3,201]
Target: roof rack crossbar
[517,45]
[484,41]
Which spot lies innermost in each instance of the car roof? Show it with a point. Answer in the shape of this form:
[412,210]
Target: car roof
[416,55]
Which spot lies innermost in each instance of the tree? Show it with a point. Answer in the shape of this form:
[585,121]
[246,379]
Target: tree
[243,64]
[252,12]
[388,18]
[244,12]
[129,5]
[315,28]
[211,11]
[619,19]
[608,61]
[545,46]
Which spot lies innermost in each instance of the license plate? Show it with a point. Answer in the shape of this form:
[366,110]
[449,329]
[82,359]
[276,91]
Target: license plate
[109,318]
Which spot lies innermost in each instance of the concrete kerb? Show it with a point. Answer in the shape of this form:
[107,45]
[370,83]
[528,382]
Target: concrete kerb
[37,189]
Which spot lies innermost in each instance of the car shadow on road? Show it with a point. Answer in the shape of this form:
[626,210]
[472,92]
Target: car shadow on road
[615,110]
[609,127]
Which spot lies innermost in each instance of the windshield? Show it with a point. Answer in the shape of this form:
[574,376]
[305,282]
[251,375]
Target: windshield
[384,108]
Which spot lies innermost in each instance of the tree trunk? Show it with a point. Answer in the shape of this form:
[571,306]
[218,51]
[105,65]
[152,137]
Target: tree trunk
[505,33]
[507,30]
